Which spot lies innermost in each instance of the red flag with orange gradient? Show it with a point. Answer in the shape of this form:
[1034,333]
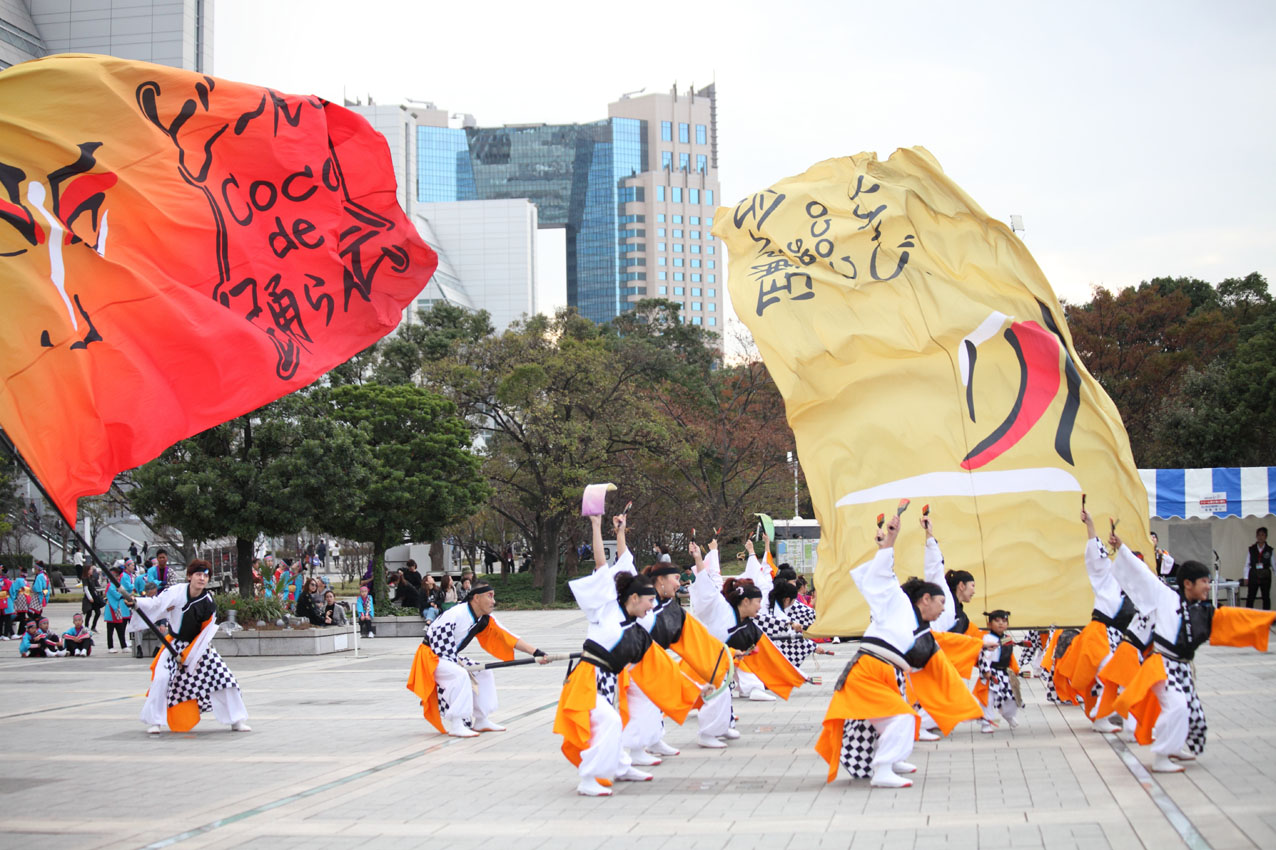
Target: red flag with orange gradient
[178,250]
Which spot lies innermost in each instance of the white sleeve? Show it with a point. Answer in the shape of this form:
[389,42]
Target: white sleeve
[934,572]
[1144,589]
[705,595]
[624,564]
[155,607]
[593,592]
[1167,563]
[760,575]
[1097,564]
[876,578]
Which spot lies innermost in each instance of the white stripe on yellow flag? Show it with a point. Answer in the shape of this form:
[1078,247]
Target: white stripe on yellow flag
[922,355]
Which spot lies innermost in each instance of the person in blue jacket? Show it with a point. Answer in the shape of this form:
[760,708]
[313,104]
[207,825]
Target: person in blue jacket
[117,612]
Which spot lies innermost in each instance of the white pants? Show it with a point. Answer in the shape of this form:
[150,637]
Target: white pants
[1170,733]
[928,722]
[1099,682]
[458,692]
[715,715]
[1008,709]
[748,683]
[605,757]
[646,724]
[894,739]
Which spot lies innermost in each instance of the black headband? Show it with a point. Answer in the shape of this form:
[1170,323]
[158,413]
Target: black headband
[476,590]
[664,570]
[999,614]
[644,590]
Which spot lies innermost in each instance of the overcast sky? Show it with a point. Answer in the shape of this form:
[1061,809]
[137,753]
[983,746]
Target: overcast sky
[1135,139]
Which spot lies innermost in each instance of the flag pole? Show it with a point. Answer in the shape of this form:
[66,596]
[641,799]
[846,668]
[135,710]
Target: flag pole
[84,544]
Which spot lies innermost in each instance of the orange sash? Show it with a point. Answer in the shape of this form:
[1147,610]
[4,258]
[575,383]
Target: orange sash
[579,697]
[1118,673]
[962,649]
[1139,699]
[701,652]
[775,671]
[498,642]
[1082,666]
[421,682]
[664,683]
[1241,627]
[870,691]
[942,691]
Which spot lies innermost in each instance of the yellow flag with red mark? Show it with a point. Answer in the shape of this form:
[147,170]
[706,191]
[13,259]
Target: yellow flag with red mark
[922,354]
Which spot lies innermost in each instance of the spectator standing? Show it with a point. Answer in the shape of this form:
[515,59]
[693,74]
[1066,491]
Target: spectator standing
[77,558]
[322,552]
[364,611]
[159,572]
[6,606]
[117,612]
[40,584]
[1258,571]
[132,551]
[93,602]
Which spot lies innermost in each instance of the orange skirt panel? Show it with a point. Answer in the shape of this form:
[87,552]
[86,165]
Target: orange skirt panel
[1047,656]
[664,684]
[775,671]
[942,691]
[422,683]
[1085,663]
[1118,673]
[1241,627]
[701,653]
[870,691]
[962,650]
[1139,699]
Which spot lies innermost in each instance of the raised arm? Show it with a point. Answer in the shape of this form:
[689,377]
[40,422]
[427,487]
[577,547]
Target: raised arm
[600,556]
[756,571]
[876,578]
[933,569]
[1144,589]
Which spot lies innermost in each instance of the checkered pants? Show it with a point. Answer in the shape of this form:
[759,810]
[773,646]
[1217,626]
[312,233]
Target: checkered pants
[859,741]
[1179,678]
[210,674]
[606,684]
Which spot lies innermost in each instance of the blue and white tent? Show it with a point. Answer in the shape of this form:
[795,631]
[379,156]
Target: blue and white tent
[1216,492]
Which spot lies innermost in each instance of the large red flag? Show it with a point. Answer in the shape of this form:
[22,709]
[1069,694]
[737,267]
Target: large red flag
[177,250]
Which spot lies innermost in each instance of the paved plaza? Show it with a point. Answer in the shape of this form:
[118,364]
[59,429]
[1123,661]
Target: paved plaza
[340,757]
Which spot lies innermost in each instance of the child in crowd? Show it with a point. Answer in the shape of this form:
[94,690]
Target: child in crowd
[77,640]
[364,611]
[996,688]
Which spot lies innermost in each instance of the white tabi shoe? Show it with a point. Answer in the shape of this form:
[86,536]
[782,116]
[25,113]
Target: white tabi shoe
[458,729]
[884,777]
[710,743]
[732,734]
[660,748]
[591,788]
[903,767]
[1012,722]
[762,696]
[1164,765]
[1105,726]
[112,650]
[987,728]
[1183,755]
[633,774]
[642,758]
[927,735]
[152,730]
[489,726]
[240,726]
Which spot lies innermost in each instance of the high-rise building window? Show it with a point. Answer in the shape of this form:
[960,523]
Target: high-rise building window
[684,133]
[708,249]
[702,134]
[662,290]
[684,162]
[711,264]
[677,194]
[695,196]
[713,320]
[708,199]
[713,278]
[677,290]
[677,219]
[660,246]
[695,292]
[660,261]
[677,234]
[660,193]
[677,247]
[666,160]
[695,264]
[695,305]
[702,163]
[660,231]
[678,261]
[660,218]
[677,276]
[695,219]
[695,248]
[712,293]
[713,307]
[695,234]
[695,320]
[666,131]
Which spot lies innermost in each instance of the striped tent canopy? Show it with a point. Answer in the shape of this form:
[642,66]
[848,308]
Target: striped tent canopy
[1217,492]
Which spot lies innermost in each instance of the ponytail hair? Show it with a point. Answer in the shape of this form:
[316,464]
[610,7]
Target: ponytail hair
[915,588]
[630,584]
[782,590]
[956,577]
[736,590]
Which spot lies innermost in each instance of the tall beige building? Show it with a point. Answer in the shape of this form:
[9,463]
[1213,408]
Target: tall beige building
[665,230]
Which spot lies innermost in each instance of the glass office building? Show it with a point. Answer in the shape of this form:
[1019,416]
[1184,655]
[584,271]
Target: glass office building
[595,180]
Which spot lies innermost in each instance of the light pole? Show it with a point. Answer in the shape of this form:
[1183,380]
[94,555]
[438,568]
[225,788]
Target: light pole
[793,462]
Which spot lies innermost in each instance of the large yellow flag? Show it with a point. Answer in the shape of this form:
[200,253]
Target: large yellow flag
[922,355]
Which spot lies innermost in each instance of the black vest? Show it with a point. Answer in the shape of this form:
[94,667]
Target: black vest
[962,624]
[924,645]
[1122,617]
[1263,561]
[744,635]
[1002,662]
[1196,620]
[631,647]
[667,628]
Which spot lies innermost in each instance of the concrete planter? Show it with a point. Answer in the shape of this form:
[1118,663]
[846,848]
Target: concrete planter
[312,641]
[405,627]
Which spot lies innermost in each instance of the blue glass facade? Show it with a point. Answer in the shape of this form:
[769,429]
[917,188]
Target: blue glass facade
[573,173]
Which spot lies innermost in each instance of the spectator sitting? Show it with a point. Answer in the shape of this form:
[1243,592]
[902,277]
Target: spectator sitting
[465,588]
[365,610]
[77,640]
[430,599]
[405,595]
[411,575]
[448,590]
[33,645]
[333,614]
[306,603]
